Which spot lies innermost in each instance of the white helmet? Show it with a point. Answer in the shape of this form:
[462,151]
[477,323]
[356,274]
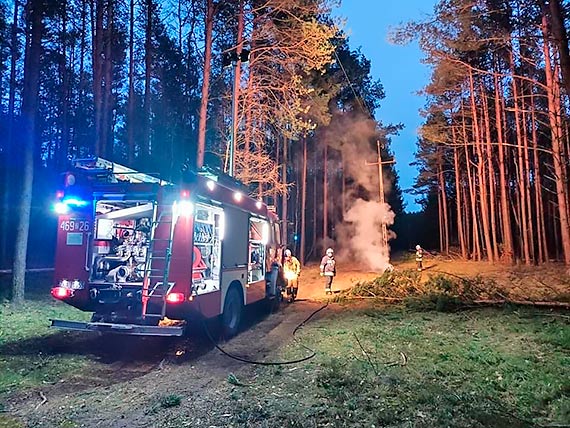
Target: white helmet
[287,252]
[418,247]
[330,251]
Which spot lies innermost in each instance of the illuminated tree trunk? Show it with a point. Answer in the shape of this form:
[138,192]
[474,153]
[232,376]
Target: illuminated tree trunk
[558,158]
[527,187]
[521,183]
[444,215]
[561,39]
[490,174]
[539,205]
[507,234]
[476,249]
[483,198]
[459,200]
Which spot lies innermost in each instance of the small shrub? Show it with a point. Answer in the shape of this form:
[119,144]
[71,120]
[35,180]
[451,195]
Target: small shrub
[170,400]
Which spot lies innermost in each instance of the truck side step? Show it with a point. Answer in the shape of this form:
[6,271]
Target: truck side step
[128,329]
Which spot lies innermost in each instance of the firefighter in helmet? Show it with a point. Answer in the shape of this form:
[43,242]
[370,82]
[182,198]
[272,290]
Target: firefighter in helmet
[291,270]
[419,257]
[328,269]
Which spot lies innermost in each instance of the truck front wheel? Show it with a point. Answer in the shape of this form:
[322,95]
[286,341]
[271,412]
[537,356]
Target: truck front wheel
[231,317]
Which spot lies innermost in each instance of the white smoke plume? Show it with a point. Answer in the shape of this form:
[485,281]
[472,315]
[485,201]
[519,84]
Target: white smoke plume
[359,236]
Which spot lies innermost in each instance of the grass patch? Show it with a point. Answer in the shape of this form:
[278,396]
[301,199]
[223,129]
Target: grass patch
[484,368]
[29,355]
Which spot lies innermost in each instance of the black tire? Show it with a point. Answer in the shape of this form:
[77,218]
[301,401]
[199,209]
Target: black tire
[233,308]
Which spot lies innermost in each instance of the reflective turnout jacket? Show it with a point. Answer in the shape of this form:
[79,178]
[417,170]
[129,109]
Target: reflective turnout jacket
[328,266]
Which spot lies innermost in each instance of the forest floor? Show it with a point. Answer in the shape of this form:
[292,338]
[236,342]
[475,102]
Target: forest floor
[373,365]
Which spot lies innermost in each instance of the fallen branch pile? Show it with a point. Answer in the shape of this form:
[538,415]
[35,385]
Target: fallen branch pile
[444,290]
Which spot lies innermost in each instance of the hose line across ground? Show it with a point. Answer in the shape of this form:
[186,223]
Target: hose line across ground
[270,363]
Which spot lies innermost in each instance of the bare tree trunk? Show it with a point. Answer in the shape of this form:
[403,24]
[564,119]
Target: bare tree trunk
[131,100]
[490,174]
[472,194]
[560,37]
[98,55]
[284,213]
[508,252]
[483,199]
[62,151]
[520,171]
[527,174]
[539,206]
[7,188]
[148,54]
[445,218]
[558,158]
[237,83]
[303,200]
[28,127]
[209,25]
[325,195]
[459,202]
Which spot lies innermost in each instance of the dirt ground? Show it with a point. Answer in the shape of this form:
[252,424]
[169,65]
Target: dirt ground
[130,376]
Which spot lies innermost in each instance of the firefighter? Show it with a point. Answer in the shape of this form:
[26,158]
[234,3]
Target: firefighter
[328,269]
[419,257]
[291,270]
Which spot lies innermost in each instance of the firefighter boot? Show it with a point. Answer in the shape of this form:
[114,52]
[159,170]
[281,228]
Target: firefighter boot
[294,294]
[289,294]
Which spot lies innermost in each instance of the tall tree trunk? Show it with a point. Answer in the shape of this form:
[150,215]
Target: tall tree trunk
[472,193]
[459,202]
[560,37]
[507,233]
[539,205]
[7,186]
[63,149]
[98,77]
[28,135]
[284,208]
[521,179]
[445,218]
[209,25]
[303,200]
[483,199]
[558,158]
[131,100]
[527,174]
[148,54]
[237,86]
[325,195]
[490,173]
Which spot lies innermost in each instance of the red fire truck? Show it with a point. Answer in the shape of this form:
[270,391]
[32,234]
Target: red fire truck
[140,252]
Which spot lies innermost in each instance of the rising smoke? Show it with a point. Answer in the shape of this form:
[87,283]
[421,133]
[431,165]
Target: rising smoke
[359,235]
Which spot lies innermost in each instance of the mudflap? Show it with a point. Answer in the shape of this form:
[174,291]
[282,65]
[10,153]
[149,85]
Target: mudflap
[115,328]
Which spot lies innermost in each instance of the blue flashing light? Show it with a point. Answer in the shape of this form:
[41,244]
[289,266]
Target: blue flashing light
[61,208]
[295,237]
[75,202]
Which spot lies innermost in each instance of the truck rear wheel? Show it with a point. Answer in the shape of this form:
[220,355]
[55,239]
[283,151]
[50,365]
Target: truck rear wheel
[233,308]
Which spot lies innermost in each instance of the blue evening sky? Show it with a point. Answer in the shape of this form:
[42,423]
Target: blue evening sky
[399,69]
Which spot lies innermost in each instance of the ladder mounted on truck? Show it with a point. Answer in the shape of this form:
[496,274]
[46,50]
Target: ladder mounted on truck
[105,170]
[157,268]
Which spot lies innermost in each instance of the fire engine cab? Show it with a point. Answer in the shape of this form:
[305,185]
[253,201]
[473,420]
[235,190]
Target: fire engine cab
[140,252]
